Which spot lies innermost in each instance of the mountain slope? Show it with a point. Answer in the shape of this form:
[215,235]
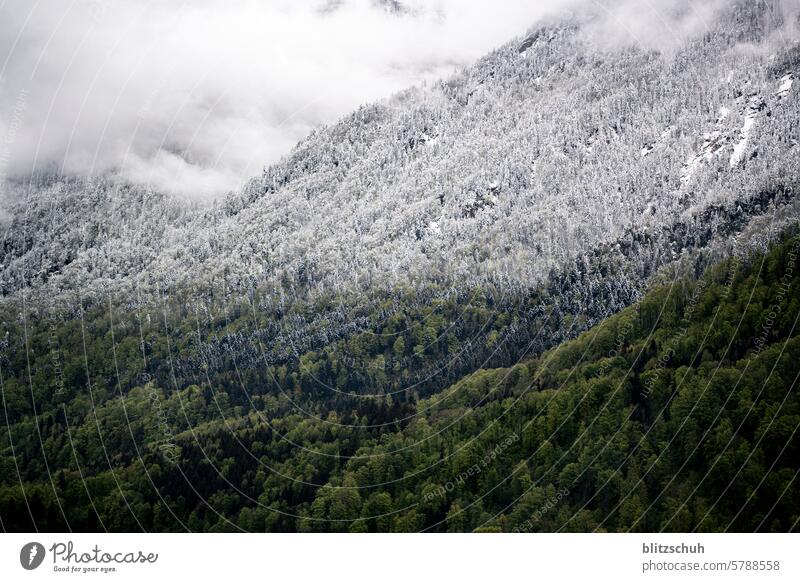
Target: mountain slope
[679,414]
[538,153]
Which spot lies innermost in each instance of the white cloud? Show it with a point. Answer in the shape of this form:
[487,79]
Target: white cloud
[194,97]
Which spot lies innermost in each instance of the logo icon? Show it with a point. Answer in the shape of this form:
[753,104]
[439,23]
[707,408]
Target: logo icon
[31,555]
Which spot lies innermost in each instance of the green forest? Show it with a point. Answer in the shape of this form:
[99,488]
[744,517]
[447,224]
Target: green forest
[678,413]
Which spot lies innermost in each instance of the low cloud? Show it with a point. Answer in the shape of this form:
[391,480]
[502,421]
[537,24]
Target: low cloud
[194,97]
[666,25]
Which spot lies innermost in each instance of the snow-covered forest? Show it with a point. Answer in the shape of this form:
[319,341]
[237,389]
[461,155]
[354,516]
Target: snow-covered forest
[544,150]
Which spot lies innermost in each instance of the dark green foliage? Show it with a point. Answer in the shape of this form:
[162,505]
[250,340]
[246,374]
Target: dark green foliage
[678,413]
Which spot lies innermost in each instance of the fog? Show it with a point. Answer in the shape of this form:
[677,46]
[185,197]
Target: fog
[194,97]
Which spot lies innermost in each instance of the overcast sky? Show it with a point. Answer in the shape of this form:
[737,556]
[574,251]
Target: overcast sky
[194,97]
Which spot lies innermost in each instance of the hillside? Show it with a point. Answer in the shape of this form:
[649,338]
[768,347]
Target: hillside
[544,150]
[678,414]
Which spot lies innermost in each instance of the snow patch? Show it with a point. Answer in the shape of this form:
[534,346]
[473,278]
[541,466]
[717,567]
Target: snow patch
[427,139]
[755,104]
[712,143]
[785,86]
[650,148]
